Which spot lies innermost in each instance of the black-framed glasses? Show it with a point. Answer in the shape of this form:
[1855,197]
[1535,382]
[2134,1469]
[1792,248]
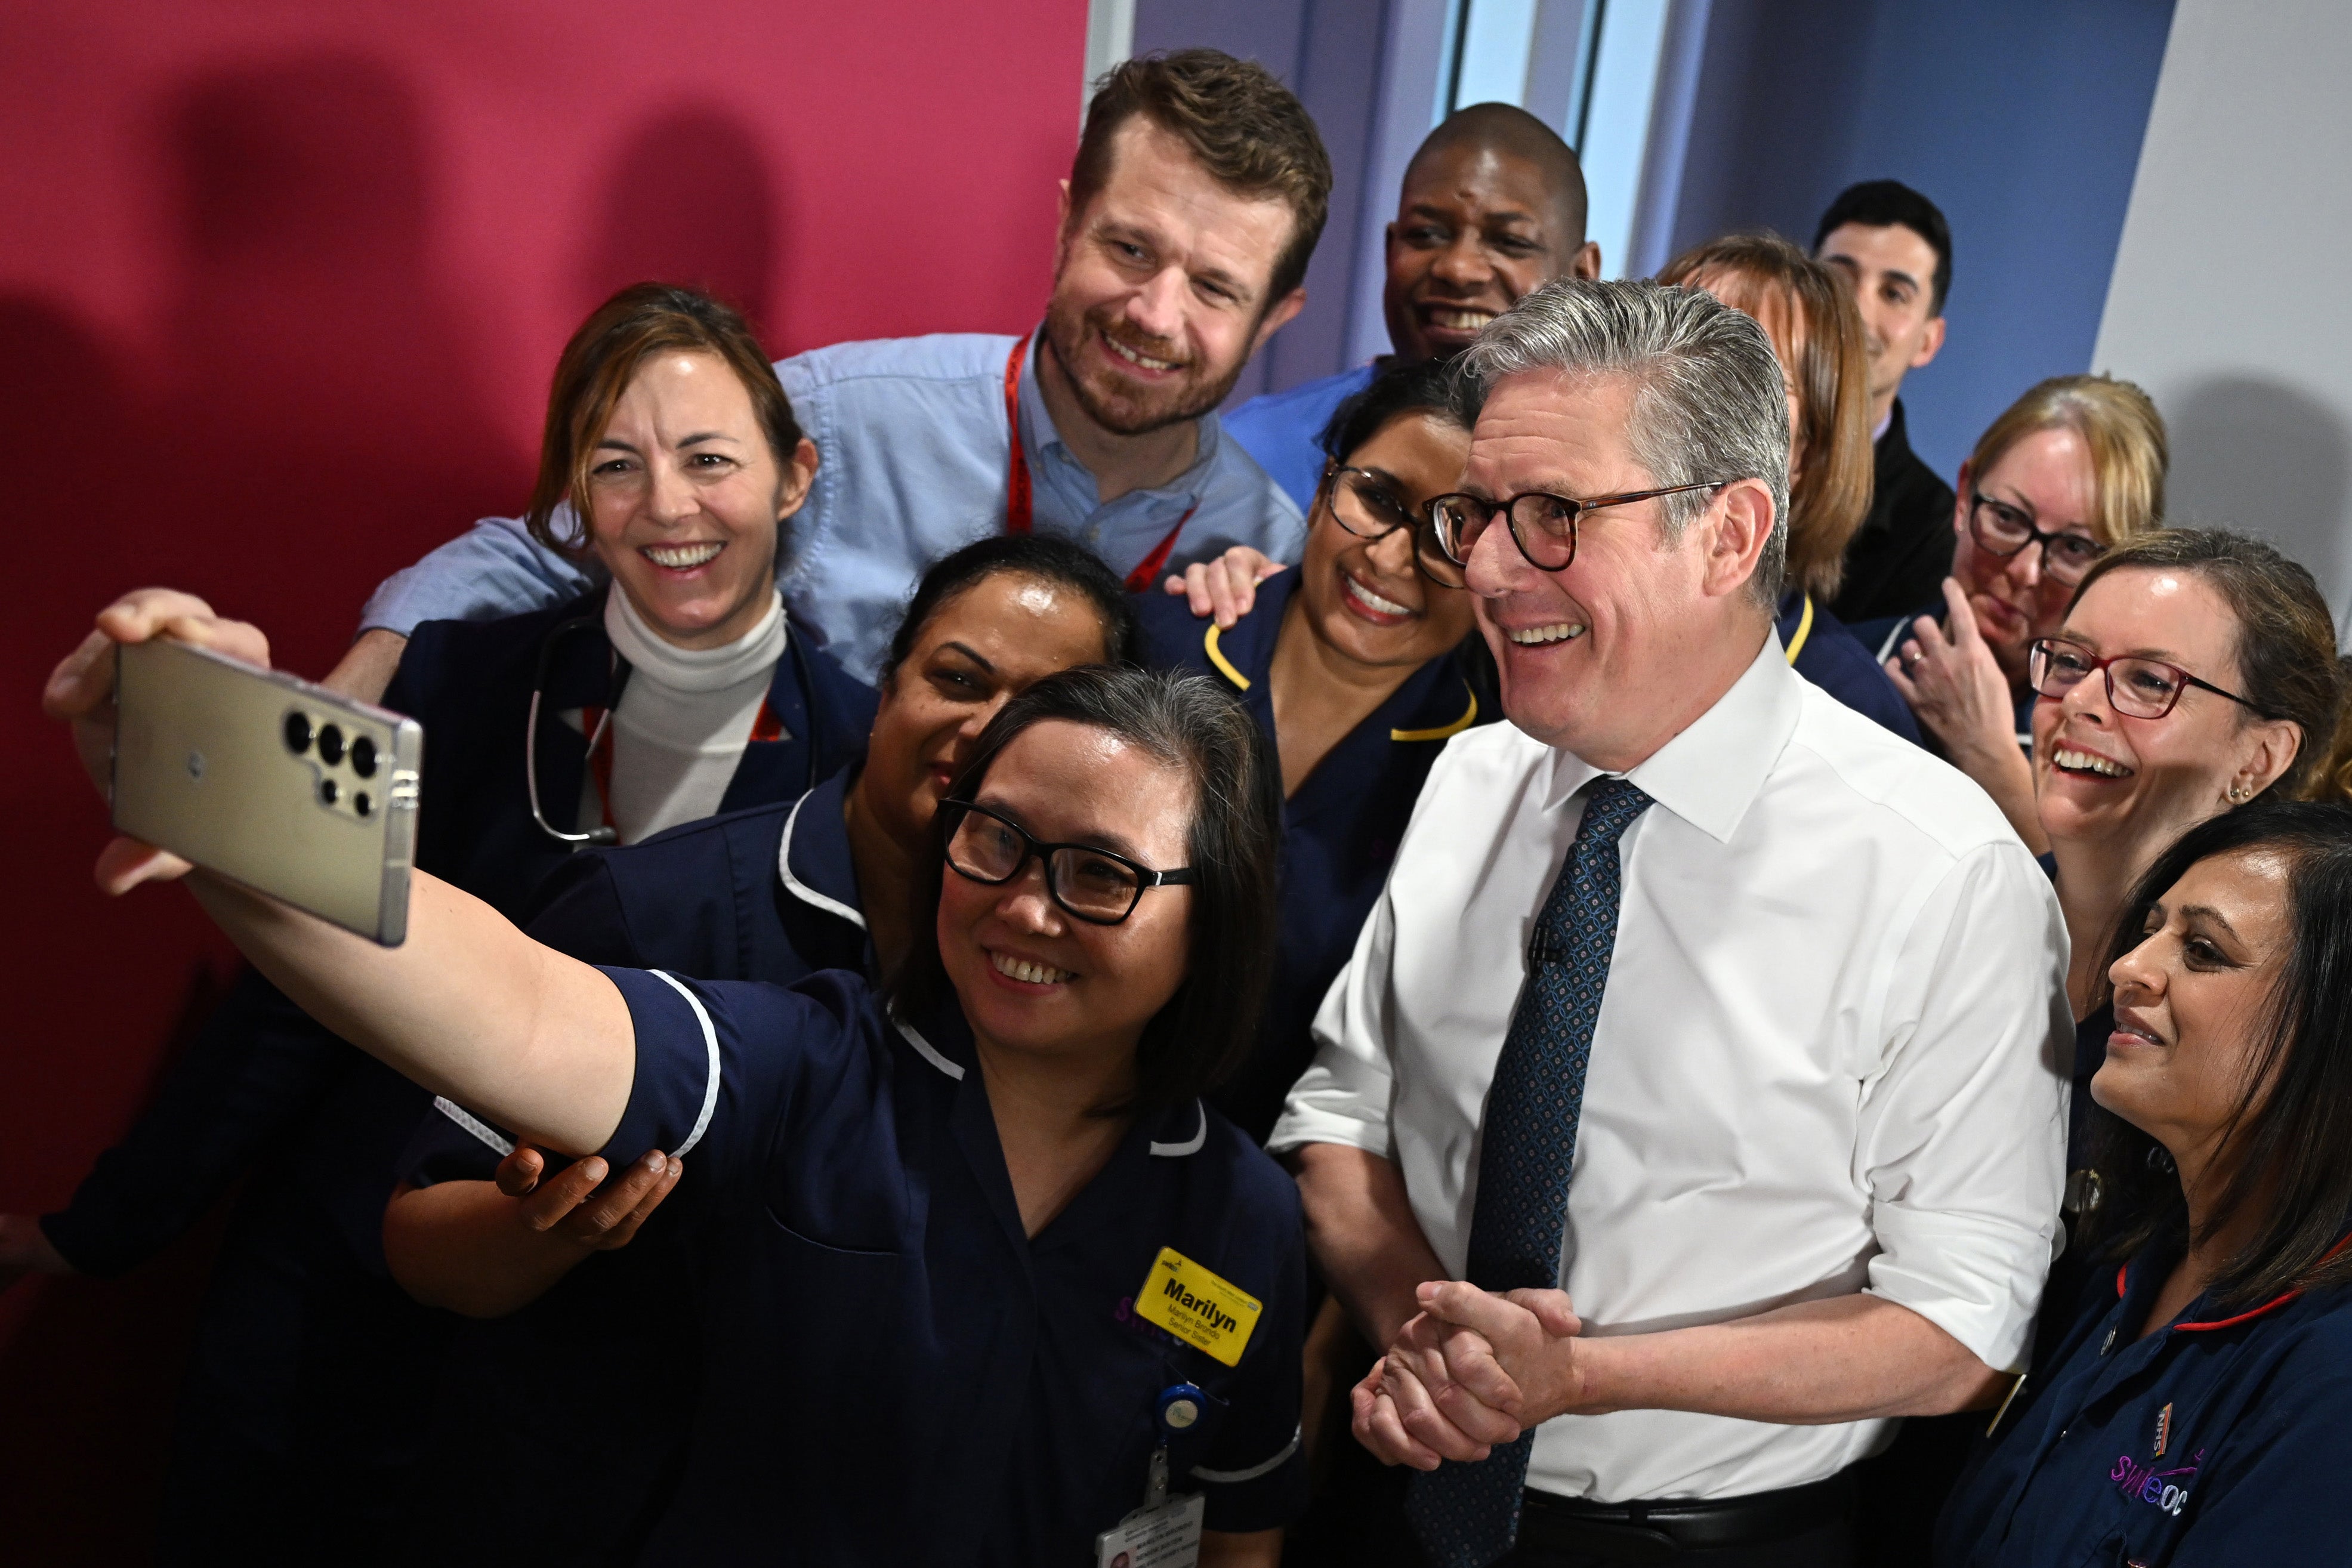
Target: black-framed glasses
[1367,505]
[1543,526]
[2136,688]
[2002,529]
[1095,885]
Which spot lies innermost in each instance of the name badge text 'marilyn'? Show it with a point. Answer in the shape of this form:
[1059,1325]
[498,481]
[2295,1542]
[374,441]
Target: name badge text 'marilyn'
[1197,1307]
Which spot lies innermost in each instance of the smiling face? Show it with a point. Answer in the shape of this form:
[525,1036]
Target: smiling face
[2045,476]
[1639,634]
[1159,286]
[977,651]
[2098,774]
[1363,597]
[1893,271]
[1477,227]
[1032,978]
[684,499]
[2191,1000]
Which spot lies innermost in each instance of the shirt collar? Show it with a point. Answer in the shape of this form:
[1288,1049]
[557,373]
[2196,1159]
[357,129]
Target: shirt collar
[1042,440]
[813,861]
[1710,773]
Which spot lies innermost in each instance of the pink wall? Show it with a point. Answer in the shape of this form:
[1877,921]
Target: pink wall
[280,287]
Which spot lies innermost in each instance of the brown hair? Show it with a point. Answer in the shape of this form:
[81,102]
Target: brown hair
[1808,311]
[2287,663]
[640,321]
[1246,130]
[2125,437]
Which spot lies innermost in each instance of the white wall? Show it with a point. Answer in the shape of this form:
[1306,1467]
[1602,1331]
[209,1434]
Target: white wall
[2228,302]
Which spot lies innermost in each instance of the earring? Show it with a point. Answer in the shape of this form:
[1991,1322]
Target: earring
[2238,793]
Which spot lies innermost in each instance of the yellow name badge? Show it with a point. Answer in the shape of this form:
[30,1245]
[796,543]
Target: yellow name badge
[1197,1307]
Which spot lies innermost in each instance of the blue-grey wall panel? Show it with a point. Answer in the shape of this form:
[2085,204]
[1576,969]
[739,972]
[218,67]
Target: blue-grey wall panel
[2022,120]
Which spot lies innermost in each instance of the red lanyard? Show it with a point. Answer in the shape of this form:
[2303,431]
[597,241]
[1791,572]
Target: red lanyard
[1018,505]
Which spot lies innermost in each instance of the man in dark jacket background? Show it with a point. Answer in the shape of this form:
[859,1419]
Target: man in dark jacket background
[1896,249]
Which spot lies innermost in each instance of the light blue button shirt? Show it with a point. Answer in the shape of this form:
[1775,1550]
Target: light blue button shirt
[914,462]
[1284,430]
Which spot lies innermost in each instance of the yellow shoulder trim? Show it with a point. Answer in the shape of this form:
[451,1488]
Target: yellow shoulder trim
[1469,717]
[1804,630]
[1217,658]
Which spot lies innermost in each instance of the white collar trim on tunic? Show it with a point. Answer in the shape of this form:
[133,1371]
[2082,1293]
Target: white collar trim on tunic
[1711,773]
[1190,1145]
[801,890]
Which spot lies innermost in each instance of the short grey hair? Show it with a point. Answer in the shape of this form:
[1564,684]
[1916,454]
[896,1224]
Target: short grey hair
[1709,398]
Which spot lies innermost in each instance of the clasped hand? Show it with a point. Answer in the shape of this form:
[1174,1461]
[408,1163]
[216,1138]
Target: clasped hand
[1472,1372]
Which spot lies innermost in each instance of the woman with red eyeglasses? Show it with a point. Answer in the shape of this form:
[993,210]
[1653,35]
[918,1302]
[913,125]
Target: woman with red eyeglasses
[2196,669]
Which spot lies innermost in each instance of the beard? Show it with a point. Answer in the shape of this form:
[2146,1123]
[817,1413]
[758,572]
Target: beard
[1114,402]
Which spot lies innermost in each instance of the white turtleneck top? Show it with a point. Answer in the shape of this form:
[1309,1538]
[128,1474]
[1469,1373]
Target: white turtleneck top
[682,723]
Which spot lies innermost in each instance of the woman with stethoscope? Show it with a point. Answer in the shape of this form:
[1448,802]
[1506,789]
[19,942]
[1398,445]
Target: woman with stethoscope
[677,691]
[680,691]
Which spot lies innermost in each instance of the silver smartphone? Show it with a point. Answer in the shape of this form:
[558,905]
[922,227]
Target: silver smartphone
[280,784]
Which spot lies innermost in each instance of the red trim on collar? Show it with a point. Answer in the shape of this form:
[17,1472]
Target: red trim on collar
[766,725]
[2248,1316]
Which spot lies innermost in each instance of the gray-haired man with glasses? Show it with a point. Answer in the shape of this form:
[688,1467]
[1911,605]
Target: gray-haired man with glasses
[1690,1107]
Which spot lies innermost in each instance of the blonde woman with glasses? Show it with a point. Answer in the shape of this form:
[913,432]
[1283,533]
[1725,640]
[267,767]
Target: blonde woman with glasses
[2073,467]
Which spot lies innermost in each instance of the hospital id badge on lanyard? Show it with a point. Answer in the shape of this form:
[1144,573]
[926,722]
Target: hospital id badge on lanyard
[1165,1532]
[1020,504]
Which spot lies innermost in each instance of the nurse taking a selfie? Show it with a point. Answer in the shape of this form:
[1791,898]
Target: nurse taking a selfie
[982,1277]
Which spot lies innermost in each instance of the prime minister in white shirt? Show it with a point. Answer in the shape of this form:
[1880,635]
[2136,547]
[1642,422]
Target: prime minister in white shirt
[1816,1182]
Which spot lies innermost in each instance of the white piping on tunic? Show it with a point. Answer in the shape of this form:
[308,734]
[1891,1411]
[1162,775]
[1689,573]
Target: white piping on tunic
[710,1044]
[801,890]
[1227,1477]
[925,1049]
[1200,1136]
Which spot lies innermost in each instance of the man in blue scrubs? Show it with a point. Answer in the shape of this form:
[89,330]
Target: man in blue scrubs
[1178,256]
[1493,206]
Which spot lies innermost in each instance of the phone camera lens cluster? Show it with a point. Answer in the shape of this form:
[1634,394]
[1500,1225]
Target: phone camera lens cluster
[335,750]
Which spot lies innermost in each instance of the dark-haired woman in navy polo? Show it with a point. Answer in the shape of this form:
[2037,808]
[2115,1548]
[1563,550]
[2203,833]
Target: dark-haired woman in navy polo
[590,1349]
[2195,1413]
[1357,668]
[982,1278]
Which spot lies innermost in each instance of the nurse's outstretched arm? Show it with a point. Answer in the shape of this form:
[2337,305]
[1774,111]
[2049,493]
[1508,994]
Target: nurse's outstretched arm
[468,1007]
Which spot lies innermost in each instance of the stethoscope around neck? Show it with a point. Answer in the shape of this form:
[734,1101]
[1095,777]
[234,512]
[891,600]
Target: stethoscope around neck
[600,835]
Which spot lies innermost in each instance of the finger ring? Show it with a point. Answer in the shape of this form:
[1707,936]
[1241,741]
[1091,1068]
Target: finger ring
[1912,655]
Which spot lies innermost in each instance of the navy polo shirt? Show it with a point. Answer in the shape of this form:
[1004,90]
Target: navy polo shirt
[2217,1439]
[896,1372]
[1340,832]
[1823,650]
[597,1380]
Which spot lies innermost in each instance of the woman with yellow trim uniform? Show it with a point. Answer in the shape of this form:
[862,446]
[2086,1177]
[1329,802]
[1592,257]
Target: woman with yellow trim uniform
[1357,666]
[1809,313]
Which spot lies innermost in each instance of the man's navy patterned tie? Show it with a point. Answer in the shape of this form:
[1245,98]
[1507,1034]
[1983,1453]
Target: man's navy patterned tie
[1468,1516]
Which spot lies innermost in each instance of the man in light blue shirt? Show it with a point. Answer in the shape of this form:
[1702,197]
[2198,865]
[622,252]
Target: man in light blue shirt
[1493,206]
[1178,254]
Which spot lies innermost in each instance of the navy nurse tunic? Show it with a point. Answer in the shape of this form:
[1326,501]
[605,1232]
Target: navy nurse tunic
[1340,832]
[1825,651]
[596,1379]
[2219,1438]
[897,1372]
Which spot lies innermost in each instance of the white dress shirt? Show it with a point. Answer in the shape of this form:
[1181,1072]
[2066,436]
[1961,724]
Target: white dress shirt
[1831,1057]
